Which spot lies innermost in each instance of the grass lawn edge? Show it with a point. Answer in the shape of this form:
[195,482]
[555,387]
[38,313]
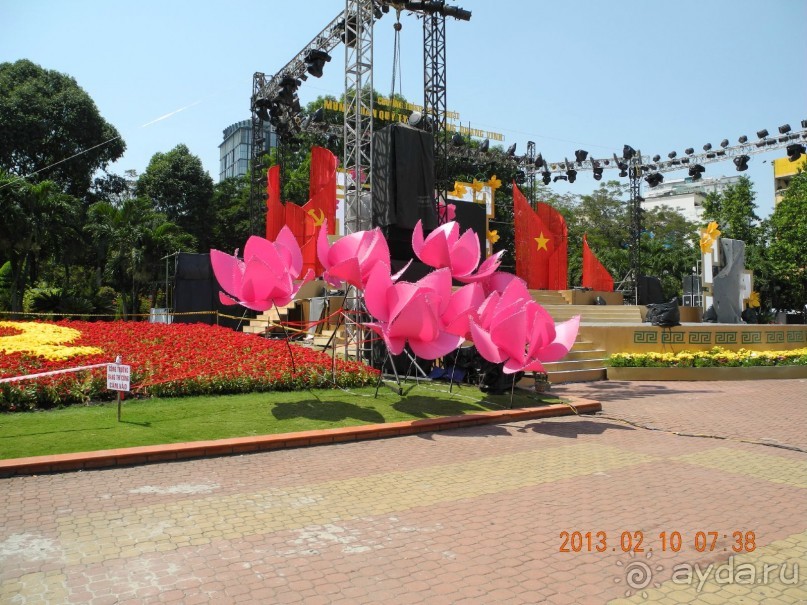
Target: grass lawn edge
[241,445]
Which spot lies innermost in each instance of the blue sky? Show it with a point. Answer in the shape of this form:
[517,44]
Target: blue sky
[596,75]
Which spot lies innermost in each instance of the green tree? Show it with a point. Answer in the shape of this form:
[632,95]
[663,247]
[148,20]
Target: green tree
[230,225]
[129,242]
[734,210]
[34,218]
[786,253]
[669,248]
[179,187]
[47,120]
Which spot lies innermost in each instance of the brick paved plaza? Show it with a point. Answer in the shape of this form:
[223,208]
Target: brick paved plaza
[474,515]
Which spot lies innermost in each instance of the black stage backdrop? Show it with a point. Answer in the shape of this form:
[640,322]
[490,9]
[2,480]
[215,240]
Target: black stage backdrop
[196,289]
[403,178]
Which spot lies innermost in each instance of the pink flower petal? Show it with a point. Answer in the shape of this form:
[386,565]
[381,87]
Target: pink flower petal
[485,346]
[444,344]
[228,271]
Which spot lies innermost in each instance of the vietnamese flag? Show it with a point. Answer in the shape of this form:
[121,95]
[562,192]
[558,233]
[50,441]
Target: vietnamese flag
[557,263]
[595,275]
[541,244]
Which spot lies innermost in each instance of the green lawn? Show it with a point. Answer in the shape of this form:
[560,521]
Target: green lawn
[175,420]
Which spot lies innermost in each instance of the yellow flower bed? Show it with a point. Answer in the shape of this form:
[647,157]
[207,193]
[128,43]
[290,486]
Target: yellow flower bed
[47,341]
[715,357]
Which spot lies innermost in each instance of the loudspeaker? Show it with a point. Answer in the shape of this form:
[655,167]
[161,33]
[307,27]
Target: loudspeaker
[473,216]
[403,177]
[693,294]
[196,291]
[649,290]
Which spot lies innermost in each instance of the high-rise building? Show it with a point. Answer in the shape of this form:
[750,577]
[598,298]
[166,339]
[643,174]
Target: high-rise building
[235,149]
[783,171]
[686,195]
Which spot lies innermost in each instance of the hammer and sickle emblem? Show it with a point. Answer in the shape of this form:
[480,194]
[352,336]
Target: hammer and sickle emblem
[318,219]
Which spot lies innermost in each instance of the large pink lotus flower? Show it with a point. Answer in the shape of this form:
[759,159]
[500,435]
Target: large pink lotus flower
[352,257]
[444,247]
[267,275]
[519,332]
[413,312]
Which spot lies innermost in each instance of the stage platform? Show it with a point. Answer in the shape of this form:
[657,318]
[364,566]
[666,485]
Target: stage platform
[644,338]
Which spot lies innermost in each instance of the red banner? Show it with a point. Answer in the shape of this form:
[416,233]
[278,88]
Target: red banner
[541,244]
[305,221]
[595,275]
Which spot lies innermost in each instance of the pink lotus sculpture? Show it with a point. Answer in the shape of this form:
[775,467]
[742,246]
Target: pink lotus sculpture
[267,276]
[444,247]
[352,258]
[519,332]
[416,313]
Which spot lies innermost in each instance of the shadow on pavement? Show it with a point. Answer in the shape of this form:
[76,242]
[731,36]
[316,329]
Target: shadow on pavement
[618,391]
[571,430]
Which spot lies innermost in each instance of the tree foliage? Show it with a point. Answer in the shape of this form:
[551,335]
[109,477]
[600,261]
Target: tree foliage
[787,255]
[180,188]
[52,128]
[130,242]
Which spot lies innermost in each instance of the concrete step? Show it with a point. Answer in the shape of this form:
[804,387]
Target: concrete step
[595,313]
[583,375]
[585,354]
[567,364]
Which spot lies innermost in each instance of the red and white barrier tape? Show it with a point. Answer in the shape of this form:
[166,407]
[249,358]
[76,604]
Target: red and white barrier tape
[52,373]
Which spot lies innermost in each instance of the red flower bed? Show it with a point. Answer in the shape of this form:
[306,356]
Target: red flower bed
[171,360]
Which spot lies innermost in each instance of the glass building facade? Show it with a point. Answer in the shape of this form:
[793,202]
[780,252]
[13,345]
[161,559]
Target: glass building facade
[234,150]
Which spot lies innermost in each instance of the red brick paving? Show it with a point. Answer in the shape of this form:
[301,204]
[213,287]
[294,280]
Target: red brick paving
[470,515]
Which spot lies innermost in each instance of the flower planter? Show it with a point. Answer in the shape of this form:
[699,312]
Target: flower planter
[741,373]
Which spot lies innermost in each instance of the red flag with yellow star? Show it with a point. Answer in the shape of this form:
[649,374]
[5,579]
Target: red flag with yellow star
[556,251]
[541,244]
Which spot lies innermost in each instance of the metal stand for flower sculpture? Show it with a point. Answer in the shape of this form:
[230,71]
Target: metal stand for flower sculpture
[398,382]
[287,339]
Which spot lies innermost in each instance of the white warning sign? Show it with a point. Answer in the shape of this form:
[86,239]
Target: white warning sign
[118,377]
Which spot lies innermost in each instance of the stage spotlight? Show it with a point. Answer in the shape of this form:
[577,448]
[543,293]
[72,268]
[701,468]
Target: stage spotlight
[696,171]
[689,151]
[484,146]
[784,129]
[742,139]
[598,173]
[457,140]
[741,162]
[315,61]
[580,155]
[724,143]
[560,177]
[656,158]
[546,177]
[654,179]
[672,154]
[707,147]
[288,90]
[761,134]
[511,151]
[539,161]
[795,151]
[571,175]
[521,177]
[628,152]
[332,140]
[261,109]
[804,123]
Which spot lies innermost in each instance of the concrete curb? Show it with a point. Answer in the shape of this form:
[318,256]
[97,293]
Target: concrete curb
[242,445]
